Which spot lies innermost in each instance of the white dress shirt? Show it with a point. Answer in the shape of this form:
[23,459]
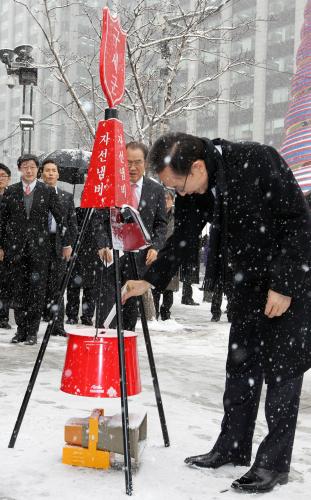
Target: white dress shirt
[32,185]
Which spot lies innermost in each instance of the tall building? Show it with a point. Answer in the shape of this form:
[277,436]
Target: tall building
[53,128]
[254,95]
[259,91]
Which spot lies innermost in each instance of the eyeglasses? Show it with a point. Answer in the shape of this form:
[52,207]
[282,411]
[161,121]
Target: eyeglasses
[136,163]
[4,176]
[28,167]
[177,189]
[182,190]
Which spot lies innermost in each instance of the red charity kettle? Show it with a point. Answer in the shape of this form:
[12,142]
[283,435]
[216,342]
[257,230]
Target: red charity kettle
[92,364]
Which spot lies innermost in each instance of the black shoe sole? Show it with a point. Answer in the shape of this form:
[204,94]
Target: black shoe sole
[217,466]
[247,488]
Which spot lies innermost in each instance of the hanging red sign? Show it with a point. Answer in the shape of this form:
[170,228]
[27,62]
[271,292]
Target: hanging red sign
[112,59]
[107,183]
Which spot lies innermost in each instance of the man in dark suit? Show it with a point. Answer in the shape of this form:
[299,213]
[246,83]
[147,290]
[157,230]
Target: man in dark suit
[148,197]
[83,277]
[5,178]
[25,244]
[49,172]
[261,225]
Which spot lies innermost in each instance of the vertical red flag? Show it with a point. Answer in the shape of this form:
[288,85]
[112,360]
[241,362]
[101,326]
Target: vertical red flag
[107,183]
[112,59]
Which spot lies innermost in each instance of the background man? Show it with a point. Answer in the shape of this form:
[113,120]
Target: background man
[149,199]
[5,178]
[59,255]
[25,244]
[83,277]
[262,226]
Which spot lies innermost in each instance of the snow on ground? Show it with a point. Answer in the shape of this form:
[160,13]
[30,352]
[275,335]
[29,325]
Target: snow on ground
[190,356]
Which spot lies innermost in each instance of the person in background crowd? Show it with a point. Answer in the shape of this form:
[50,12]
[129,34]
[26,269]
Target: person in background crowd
[84,274]
[168,294]
[148,198]
[25,244]
[261,225]
[5,178]
[190,274]
[59,255]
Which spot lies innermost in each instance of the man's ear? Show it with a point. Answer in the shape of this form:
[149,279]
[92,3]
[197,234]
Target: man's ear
[199,165]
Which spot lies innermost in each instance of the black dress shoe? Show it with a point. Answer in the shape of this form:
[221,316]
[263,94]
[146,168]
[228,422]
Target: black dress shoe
[72,321]
[258,480]
[18,337]
[189,302]
[5,324]
[86,321]
[59,333]
[215,318]
[31,340]
[214,459]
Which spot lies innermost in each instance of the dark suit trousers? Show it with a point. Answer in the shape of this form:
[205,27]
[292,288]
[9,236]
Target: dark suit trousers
[167,302]
[73,301]
[56,271]
[30,292]
[4,310]
[241,400]
[4,306]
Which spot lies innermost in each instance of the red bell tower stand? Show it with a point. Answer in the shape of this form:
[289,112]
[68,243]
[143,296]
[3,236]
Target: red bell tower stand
[107,186]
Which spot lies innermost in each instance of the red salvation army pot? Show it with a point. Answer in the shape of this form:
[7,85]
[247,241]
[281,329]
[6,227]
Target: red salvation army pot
[92,364]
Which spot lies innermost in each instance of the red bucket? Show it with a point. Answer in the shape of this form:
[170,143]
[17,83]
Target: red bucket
[92,364]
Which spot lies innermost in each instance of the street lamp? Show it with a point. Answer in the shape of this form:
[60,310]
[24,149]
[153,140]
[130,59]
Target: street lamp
[20,69]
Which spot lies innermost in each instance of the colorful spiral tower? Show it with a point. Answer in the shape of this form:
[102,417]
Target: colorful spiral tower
[296,148]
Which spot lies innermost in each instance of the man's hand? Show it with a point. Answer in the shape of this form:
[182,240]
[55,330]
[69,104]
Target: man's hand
[134,288]
[1,255]
[151,256]
[105,254]
[67,251]
[277,304]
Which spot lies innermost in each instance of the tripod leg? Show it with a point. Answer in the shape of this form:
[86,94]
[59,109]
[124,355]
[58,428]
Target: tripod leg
[49,330]
[124,406]
[151,358]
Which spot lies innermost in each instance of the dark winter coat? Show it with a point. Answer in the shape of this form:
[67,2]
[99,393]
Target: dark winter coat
[266,225]
[28,237]
[153,214]
[88,261]
[69,221]
[17,231]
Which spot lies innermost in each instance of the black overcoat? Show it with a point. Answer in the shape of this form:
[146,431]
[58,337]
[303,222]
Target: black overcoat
[268,235]
[21,235]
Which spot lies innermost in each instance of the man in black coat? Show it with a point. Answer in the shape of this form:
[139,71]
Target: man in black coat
[25,244]
[148,198]
[5,178]
[59,255]
[262,226]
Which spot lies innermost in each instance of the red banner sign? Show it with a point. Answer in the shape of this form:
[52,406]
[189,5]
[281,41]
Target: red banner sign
[112,59]
[107,183]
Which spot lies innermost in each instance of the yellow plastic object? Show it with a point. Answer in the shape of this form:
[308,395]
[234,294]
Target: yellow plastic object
[88,457]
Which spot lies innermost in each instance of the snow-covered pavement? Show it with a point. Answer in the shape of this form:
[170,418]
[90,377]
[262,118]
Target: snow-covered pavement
[190,357]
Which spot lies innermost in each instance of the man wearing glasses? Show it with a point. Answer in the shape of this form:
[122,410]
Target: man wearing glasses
[148,198]
[261,225]
[24,244]
[5,177]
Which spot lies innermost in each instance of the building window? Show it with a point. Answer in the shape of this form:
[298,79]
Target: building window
[279,95]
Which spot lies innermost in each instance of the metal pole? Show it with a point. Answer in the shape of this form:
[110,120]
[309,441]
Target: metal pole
[123,388]
[49,330]
[153,369]
[23,112]
[30,112]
